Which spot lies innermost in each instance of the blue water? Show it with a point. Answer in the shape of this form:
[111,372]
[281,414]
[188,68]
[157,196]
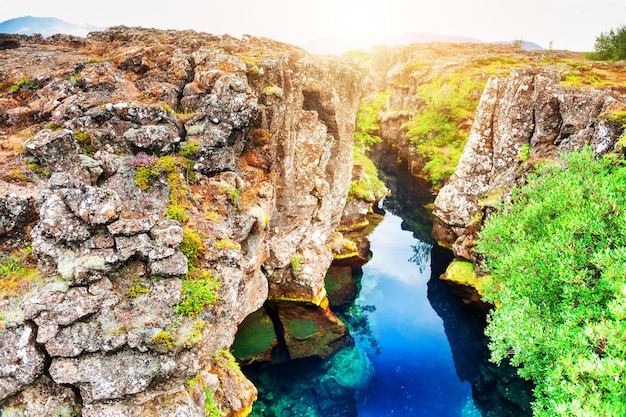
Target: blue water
[415,371]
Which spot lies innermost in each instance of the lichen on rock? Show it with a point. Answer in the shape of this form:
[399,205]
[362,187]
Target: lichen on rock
[130,147]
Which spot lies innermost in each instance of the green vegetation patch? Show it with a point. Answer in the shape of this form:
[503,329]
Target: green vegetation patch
[557,255]
[18,273]
[200,290]
[438,130]
[22,83]
[369,187]
[461,272]
[179,171]
[200,287]
[367,128]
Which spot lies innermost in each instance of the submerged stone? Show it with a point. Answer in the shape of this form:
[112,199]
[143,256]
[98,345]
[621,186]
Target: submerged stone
[255,338]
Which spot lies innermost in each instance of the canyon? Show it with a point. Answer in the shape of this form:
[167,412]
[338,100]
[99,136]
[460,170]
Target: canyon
[160,188]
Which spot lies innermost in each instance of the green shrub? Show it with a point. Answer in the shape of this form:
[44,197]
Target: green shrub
[610,46]
[200,290]
[367,127]
[557,256]
[436,130]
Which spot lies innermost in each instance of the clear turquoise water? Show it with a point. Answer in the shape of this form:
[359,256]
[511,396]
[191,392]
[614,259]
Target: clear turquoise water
[415,370]
[428,345]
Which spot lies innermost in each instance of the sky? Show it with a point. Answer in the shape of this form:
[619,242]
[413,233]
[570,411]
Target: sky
[562,24]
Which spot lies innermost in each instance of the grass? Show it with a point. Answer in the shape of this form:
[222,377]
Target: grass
[18,273]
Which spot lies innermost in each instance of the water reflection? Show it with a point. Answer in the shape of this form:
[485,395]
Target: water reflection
[415,371]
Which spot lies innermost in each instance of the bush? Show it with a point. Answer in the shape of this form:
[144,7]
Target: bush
[200,290]
[557,255]
[610,46]
[367,127]
[436,130]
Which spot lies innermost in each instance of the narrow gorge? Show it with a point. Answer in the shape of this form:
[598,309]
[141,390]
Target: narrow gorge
[172,198]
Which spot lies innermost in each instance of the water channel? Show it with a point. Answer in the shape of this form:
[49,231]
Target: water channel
[414,367]
[418,351]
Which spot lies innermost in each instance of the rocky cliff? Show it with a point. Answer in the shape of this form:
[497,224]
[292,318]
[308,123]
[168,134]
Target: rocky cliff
[523,120]
[157,188]
[434,90]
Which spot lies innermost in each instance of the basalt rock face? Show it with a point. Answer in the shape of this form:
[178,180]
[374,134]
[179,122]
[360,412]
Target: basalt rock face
[151,171]
[404,70]
[528,109]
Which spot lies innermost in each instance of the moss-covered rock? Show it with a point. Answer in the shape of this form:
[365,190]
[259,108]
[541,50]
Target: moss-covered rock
[255,338]
[340,286]
[310,330]
[465,282]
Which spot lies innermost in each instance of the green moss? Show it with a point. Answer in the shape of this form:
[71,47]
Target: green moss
[462,272]
[255,337]
[226,358]
[189,149]
[226,244]
[200,290]
[524,152]
[300,328]
[192,245]
[162,341]
[296,264]
[176,212]
[273,90]
[84,141]
[369,187]
[493,199]
[166,107]
[618,117]
[137,288]
[177,169]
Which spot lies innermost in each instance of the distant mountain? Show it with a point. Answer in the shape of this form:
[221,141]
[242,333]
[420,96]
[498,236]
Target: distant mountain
[46,26]
[341,44]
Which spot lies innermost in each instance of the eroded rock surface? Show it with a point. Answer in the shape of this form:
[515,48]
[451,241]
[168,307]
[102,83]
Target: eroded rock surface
[173,182]
[528,109]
